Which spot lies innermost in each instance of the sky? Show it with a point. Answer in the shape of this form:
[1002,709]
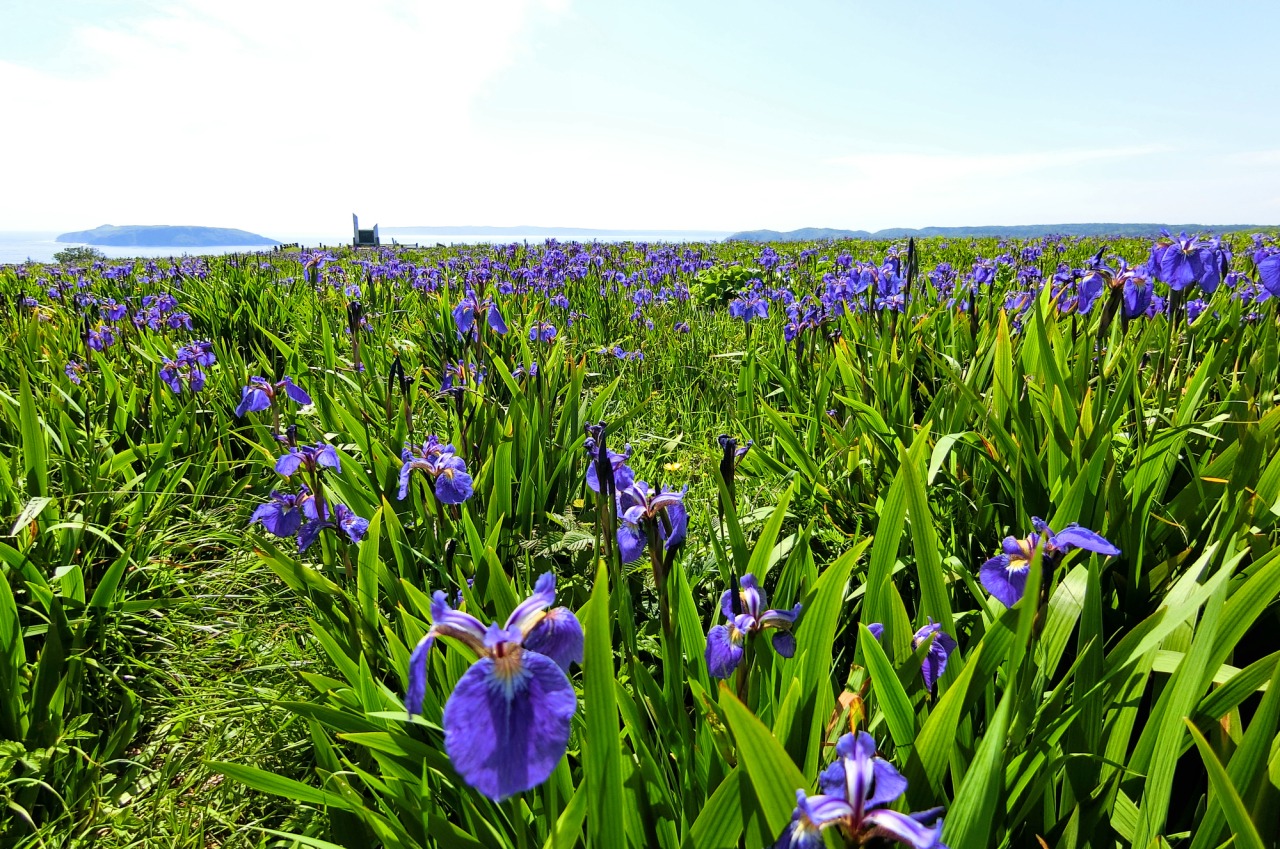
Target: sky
[285,116]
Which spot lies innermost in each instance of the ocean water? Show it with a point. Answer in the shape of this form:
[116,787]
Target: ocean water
[19,247]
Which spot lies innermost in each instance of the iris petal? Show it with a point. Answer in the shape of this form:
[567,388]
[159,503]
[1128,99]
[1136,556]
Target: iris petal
[905,829]
[454,487]
[252,400]
[723,655]
[1004,581]
[288,464]
[1074,536]
[505,732]
[631,543]
[558,636]
[753,598]
[888,784]
[295,392]
[784,643]
[544,595]
[417,689]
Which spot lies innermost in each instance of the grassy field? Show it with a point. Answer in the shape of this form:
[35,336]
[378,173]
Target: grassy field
[231,486]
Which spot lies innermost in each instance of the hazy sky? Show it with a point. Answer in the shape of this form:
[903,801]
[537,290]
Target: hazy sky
[284,117]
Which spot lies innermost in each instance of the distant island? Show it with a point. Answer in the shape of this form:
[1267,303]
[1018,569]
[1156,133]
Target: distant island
[165,236]
[1019,231]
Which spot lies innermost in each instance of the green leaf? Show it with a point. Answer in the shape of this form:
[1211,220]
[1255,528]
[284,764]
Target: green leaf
[816,636]
[774,776]
[1237,814]
[760,555]
[602,752]
[924,539]
[890,697]
[35,452]
[368,570]
[278,785]
[970,819]
[719,823]
[937,738]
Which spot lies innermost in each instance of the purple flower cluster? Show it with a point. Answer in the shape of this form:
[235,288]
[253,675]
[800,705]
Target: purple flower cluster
[306,513]
[186,370]
[937,655]
[856,792]
[447,472]
[726,644]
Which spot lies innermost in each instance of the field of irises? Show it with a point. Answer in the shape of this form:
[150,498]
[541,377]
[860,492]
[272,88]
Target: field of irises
[967,544]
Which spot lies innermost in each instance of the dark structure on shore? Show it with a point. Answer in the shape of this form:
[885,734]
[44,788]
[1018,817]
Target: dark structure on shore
[364,238]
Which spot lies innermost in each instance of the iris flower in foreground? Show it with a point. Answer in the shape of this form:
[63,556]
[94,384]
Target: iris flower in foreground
[1005,575]
[856,792]
[506,724]
[726,643]
[342,519]
[935,659]
[310,457]
[473,310]
[261,394]
[450,482]
[623,476]
[640,506]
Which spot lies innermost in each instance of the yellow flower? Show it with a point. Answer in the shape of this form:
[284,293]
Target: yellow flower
[672,467]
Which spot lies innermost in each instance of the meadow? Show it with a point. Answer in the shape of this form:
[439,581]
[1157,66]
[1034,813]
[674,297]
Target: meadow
[966,544]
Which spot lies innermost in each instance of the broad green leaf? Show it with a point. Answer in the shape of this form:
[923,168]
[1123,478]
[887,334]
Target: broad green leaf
[891,699]
[1237,815]
[774,776]
[602,753]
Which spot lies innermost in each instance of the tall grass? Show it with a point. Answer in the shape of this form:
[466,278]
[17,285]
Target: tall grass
[160,658]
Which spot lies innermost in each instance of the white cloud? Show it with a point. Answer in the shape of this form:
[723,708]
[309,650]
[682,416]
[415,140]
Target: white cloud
[252,112]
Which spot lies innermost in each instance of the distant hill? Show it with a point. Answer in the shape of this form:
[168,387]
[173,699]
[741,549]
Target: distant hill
[1017,231]
[165,236]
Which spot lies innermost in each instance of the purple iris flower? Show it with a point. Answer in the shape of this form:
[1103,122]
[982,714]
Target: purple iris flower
[341,518]
[749,307]
[112,310]
[101,337]
[726,643]
[1005,575]
[1180,262]
[1269,273]
[282,515]
[199,352]
[623,476]
[472,310]
[856,792]
[450,482]
[935,658]
[311,457]
[681,327]
[1139,296]
[640,504]
[521,372]
[74,371]
[260,394]
[184,372]
[506,723]
[542,331]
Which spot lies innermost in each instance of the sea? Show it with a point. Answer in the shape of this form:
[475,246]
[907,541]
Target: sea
[19,247]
